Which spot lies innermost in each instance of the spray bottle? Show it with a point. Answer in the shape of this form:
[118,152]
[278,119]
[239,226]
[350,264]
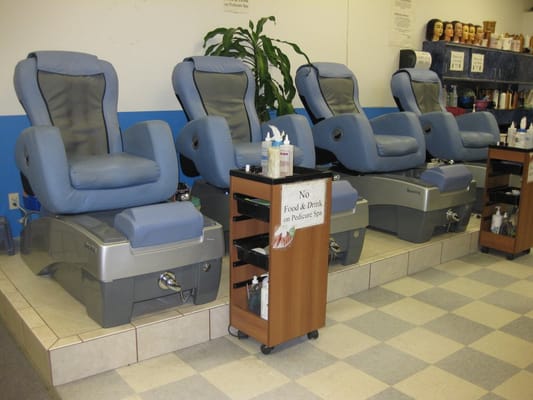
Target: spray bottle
[274,154]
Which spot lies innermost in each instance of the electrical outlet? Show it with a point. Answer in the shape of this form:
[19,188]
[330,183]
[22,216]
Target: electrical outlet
[14,201]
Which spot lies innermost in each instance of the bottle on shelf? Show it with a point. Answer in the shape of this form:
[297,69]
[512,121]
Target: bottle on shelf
[505,229]
[529,136]
[496,98]
[454,96]
[254,296]
[264,297]
[496,221]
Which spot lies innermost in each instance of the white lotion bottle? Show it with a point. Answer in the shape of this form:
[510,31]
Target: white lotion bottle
[286,152]
[496,221]
[264,297]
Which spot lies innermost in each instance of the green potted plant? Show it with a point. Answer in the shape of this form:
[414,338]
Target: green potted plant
[261,53]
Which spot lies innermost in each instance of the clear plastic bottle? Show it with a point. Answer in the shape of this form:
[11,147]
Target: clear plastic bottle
[254,296]
[511,134]
[274,159]
[265,145]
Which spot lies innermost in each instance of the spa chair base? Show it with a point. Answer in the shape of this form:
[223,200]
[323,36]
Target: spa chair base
[96,264]
[347,229]
[412,209]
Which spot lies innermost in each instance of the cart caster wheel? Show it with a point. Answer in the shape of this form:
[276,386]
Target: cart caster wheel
[266,350]
[484,249]
[528,251]
[242,335]
[312,335]
[510,257]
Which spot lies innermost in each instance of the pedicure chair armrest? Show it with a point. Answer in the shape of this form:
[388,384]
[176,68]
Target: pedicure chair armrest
[207,142]
[442,134]
[153,140]
[300,135]
[349,137]
[482,121]
[40,156]
[399,124]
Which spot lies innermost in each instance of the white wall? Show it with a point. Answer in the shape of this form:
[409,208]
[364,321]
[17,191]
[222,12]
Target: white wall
[144,39]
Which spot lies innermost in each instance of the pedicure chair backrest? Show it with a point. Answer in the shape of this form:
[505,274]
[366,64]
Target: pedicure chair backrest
[74,157]
[217,95]
[342,132]
[462,138]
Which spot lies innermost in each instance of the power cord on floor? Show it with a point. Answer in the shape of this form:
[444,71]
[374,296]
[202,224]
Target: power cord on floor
[239,334]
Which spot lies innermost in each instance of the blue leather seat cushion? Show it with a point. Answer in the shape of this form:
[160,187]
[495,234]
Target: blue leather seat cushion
[160,223]
[476,139]
[107,171]
[250,153]
[448,177]
[391,145]
[343,196]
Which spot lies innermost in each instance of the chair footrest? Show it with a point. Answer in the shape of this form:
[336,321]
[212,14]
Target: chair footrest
[343,196]
[160,223]
[448,177]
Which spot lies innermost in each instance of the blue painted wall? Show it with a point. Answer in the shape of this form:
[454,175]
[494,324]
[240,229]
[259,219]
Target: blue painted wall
[11,126]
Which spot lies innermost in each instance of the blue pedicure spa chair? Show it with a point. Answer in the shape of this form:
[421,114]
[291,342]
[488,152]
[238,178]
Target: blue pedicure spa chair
[384,158]
[462,139]
[106,231]
[224,133]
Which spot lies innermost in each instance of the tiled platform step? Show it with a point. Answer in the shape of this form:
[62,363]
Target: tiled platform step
[64,344]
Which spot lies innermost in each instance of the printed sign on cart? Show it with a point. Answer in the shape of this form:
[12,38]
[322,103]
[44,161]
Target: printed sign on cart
[302,205]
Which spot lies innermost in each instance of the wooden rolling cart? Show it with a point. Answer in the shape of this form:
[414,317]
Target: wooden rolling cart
[508,185]
[296,255]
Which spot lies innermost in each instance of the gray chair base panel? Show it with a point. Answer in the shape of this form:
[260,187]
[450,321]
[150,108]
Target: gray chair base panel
[96,264]
[418,226]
